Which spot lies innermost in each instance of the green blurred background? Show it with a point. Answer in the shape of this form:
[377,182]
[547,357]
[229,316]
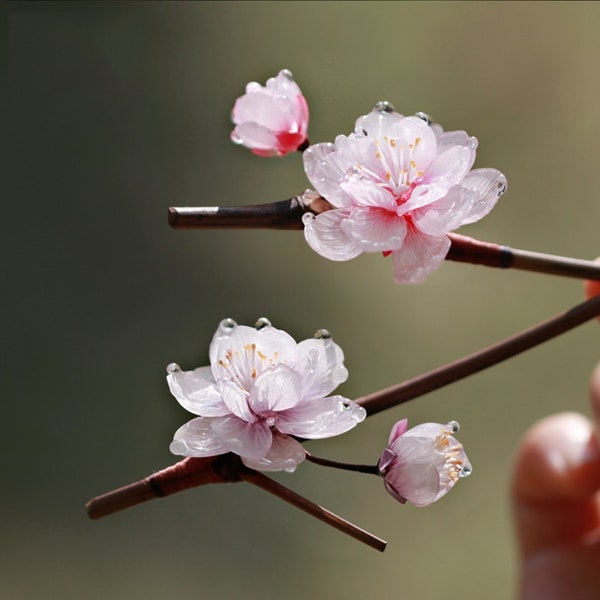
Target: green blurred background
[118,110]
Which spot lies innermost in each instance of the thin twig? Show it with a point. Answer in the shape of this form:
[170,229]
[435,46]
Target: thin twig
[478,361]
[287,214]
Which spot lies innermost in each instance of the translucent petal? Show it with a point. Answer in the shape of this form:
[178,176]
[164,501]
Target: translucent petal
[251,440]
[285,454]
[254,135]
[483,188]
[419,256]
[450,167]
[366,193]
[376,229]
[325,236]
[325,170]
[195,391]
[275,390]
[241,354]
[236,400]
[415,144]
[321,418]
[321,366]
[397,430]
[444,215]
[197,438]
[377,122]
[260,107]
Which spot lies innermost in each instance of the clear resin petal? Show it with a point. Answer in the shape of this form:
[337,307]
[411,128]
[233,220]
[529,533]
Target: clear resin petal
[252,440]
[325,236]
[419,257]
[321,366]
[195,391]
[197,438]
[275,390]
[285,454]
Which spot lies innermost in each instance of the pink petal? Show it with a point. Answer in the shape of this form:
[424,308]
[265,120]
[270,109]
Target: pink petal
[368,194]
[321,418]
[443,215]
[256,136]
[260,107]
[196,438]
[275,390]
[236,400]
[414,141]
[285,454]
[397,430]
[325,236]
[419,256]
[195,391]
[376,229]
[251,440]
[450,167]
[321,366]
[325,169]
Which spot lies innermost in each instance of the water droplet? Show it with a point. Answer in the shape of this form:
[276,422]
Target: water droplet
[322,334]
[227,325]
[424,117]
[173,368]
[360,132]
[454,426]
[287,74]
[472,143]
[465,471]
[262,323]
[500,187]
[383,106]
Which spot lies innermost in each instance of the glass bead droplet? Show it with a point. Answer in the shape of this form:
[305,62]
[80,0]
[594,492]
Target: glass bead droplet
[360,132]
[287,74]
[383,106]
[322,334]
[424,117]
[173,368]
[454,426]
[500,187]
[465,471]
[227,325]
[262,323]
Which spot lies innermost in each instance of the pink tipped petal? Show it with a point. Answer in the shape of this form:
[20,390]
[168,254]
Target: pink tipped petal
[325,236]
[196,392]
[483,187]
[275,390]
[419,257]
[397,430]
[321,418]
[252,440]
[285,455]
[196,438]
[321,367]
[376,229]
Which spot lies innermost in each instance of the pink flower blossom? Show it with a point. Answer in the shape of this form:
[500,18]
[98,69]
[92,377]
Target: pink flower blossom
[261,389]
[422,464]
[271,120]
[398,185]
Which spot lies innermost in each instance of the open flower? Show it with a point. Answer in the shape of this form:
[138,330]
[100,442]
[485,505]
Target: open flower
[261,389]
[422,464]
[271,120]
[398,185]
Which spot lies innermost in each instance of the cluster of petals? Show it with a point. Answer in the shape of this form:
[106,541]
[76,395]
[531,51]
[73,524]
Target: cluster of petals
[261,391]
[271,120]
[398,185]
[422,464]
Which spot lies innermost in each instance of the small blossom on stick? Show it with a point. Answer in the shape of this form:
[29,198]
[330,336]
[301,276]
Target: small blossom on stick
[271,120]
[422,464]
[261,390]
[398,186]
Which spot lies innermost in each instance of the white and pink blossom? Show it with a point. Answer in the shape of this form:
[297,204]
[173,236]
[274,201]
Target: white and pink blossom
[271,120]
[398,185]
[260,392]
[422,464]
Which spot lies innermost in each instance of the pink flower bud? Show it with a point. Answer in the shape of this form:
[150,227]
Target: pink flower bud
[422,464]
[271,120]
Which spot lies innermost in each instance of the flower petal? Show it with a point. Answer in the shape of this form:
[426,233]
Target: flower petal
[255,136]
[377,229]
[325,236]
[285,454]
[321,418]
[325,169]
[450,167]
[420,255]
[483,188]
[321,366]
[236,401]
[197,438]
[252,440]
[195,391]
[275,390]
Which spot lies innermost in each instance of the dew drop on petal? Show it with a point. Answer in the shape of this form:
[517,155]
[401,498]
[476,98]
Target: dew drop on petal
[383,106]
[227,326]
[500,186]
[173,368]
[424,117]
[360,132]
[287,74]
[454,426]
[262,323]
[472,143]
[465,471]
[322,334]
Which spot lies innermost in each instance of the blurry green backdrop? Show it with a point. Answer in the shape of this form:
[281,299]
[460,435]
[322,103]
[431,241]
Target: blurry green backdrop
[118,110]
